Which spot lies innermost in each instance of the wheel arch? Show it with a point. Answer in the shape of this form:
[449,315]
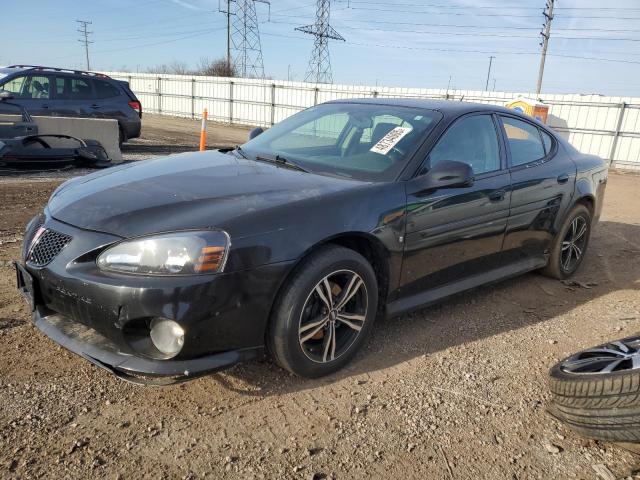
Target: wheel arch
[366,245]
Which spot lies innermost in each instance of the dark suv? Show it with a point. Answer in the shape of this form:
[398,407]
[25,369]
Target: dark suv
[72,93]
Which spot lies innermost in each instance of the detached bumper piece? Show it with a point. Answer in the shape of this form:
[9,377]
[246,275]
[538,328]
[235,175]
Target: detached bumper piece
[44,152]
[100,351]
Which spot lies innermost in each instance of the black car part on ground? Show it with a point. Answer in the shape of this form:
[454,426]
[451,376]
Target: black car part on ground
[51,151]
[26,126]
[596,392]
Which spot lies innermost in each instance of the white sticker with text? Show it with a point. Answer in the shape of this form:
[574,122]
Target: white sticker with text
[390,140]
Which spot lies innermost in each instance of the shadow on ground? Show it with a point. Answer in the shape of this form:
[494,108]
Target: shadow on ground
[487,311]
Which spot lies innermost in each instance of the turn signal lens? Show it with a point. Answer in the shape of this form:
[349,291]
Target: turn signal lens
[209,260]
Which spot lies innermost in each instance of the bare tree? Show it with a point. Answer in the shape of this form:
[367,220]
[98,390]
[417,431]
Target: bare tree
[216,68]
[176,67]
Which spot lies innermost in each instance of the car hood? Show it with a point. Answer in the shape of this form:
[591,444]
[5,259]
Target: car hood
[192,190]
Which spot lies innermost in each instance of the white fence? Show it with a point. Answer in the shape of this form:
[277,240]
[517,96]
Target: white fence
[605,126]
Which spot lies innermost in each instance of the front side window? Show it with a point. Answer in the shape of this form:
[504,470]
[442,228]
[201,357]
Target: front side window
[361,141]
[524,141]
[472,140]
[15,86]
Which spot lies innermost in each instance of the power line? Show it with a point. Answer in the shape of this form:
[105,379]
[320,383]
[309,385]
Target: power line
[482,7]
[83,31]
[472,14]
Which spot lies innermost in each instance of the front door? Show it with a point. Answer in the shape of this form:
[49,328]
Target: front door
[455,233]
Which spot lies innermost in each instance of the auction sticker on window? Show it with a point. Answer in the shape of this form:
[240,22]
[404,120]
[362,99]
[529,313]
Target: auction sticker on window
[390,140]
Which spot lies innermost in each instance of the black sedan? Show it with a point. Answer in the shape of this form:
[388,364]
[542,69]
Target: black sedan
[295,242]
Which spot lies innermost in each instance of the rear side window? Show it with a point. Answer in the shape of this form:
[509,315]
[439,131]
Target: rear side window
[105,89]
[524,141]
[472,140]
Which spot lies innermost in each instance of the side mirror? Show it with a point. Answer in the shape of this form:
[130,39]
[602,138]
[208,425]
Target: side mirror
[255,132]
[448,174]
[4,95]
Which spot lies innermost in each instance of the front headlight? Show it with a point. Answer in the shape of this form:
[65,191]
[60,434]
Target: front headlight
[178,253]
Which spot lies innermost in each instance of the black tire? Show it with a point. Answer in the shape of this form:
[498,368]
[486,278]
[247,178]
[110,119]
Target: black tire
[556,266]
[604,406]
[285,330]
[122,137]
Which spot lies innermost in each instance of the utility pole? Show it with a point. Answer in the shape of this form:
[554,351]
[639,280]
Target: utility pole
[228,13]
[83,31]
[546,33]
[486,86]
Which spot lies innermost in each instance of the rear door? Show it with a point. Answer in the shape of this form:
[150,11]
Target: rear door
[543,181]
[454,233]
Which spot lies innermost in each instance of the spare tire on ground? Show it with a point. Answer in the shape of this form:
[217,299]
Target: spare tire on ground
[596,392]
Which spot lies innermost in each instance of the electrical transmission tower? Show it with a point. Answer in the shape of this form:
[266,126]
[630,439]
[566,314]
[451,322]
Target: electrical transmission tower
[245,46]
[546,34]
[320,63]
[85,34]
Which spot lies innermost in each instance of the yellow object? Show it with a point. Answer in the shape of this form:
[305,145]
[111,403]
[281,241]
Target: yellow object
[531,107]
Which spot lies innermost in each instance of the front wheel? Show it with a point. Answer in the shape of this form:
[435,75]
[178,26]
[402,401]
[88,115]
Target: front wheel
[570,245]
[324,312]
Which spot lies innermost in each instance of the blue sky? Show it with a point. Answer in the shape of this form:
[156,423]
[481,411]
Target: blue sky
[397,43]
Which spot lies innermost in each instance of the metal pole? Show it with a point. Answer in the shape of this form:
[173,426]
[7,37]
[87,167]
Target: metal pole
[486,86]
[273,104]
[229,37]
[545,43]
[230,102]
[616,135]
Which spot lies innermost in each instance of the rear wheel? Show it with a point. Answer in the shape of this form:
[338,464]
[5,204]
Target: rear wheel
[324,312]
[122,137]
[570,245]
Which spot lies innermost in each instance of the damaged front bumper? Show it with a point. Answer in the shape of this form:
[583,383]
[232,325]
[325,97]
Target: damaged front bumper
[99,350]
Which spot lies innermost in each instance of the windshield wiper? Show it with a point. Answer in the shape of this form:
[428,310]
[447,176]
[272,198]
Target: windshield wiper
[240,151]
[279,159]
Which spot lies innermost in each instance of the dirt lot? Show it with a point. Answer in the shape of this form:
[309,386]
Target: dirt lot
[456,391]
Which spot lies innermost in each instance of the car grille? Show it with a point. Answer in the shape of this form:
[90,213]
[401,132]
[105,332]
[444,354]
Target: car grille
[47,247]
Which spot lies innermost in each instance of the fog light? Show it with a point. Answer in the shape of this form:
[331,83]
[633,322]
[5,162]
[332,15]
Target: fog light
[167,336]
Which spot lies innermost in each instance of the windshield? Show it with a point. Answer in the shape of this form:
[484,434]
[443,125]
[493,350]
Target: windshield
[361,141]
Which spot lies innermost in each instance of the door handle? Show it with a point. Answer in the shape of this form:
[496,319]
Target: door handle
[497,196]
[564,178]
[44,106]
[95,106]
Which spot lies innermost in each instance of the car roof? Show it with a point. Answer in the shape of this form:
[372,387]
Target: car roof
[456,107]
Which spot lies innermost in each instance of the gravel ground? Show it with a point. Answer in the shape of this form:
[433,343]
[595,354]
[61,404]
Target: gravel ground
[456,391]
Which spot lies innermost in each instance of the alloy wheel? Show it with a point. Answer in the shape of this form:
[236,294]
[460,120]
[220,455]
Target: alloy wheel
[333,316]
[574,243]
[612,357]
